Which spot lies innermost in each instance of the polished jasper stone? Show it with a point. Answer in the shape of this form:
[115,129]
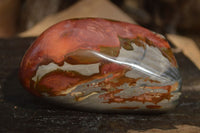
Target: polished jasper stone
[102,65]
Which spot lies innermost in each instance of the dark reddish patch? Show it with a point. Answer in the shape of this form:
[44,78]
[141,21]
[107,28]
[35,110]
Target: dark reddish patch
[55,82]
[153,106]
[151,80]
[112,67]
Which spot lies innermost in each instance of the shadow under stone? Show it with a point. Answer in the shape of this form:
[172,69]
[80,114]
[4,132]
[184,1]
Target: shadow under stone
[15,94]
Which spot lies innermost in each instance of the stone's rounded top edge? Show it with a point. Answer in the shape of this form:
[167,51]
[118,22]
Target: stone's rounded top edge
[96,18]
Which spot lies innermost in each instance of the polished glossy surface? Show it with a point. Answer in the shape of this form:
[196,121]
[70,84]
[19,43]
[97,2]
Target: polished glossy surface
[102,65]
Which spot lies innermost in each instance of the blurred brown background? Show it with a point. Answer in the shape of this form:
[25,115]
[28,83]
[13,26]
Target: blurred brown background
[171,16]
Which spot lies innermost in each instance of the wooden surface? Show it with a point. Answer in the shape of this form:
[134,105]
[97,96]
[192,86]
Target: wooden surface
[21,112]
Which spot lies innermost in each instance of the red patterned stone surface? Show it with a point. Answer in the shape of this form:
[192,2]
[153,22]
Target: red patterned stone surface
[102,65]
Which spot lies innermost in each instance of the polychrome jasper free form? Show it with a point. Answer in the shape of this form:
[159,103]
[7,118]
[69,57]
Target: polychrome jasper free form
[102,65]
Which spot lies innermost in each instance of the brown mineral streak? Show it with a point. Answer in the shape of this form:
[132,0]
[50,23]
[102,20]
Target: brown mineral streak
[146,97]
[153,106]
[110,97]
[125,107]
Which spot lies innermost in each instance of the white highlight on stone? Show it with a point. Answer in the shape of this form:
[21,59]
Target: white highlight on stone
[149,59]
[150,63]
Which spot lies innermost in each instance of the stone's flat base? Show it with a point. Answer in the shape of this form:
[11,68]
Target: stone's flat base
[22,112]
